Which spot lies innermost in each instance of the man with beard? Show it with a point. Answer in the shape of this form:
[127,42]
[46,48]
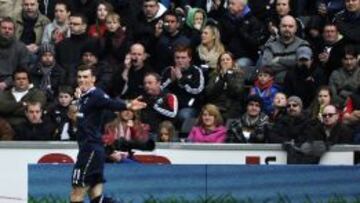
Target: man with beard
[281,53]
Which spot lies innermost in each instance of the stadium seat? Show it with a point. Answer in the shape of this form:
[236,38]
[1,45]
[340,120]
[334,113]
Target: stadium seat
[151,159]
[55,158]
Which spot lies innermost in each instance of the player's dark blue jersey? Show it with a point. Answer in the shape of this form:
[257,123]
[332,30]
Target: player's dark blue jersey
[91,106]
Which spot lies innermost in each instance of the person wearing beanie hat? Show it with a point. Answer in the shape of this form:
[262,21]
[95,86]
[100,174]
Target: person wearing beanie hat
[250,128]
[46,74]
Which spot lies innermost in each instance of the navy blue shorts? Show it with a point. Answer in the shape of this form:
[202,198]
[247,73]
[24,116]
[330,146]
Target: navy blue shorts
[89,168]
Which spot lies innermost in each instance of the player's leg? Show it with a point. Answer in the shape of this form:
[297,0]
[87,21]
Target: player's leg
[78,194]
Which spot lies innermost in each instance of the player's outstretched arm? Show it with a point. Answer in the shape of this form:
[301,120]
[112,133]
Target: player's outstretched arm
[136,104]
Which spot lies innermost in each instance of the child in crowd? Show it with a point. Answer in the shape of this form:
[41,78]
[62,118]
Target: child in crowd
[59,114]
[167,132]
[210,128]
[265,88]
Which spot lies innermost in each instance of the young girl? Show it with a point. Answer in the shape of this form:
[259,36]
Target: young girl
[99,28]
[209,128]
[324,98]
[167,132]
[265,88]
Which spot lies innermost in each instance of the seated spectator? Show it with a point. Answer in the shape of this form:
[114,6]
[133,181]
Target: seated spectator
[116,40]
[47,75]
[304,79]
[330,130]
[210,48]
[35,127]
[186,81]
[251,126]
[265,88]
[281,53]
[351,114]
[6,131]
[209,128]
[225,88]
[58,114]
[126,126]
[98,29]
[195,22]
[344,81]
[322,99]
[59,29]
[290,128]
[161,106]
[167,132]
[13,101]
[279,104]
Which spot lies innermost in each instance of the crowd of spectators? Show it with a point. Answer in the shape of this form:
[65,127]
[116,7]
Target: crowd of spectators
[235,71]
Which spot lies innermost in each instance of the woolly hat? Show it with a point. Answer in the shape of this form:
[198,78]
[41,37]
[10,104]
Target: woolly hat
[296,99]
[46,48]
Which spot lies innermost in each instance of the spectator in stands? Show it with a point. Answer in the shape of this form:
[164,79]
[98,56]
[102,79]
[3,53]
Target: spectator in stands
[265,88]
[209,128]
[210,48]
[128,81]
[330,130]
[279,104]
[161,106]
[98,29]
[144,26]
[35,127]
[86,8]
[167,132]
[305,78]
[126,126]
[58,114]
[30,25]
[241,32]
[344,81]
[169,37]
[47,75]
[226,88]
[59,29]
[251,126]
[322,99]
[116,40]
[281,53]
[283,8]
[186,81]
[9,8]
[13,101]
[195,22]
[68,51]
[47,7]
[6,131]
[14,53]
[291,126]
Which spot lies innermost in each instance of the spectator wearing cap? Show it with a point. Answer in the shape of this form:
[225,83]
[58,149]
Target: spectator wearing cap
[290,127]
[345,81]
[265,88]
[281,53]
[46,74]
[251,126]
[241,32]
[304,80]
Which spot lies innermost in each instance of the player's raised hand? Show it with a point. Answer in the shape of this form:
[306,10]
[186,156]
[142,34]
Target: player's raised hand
[137,104]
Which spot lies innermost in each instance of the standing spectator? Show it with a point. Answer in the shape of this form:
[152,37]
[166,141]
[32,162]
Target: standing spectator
[13,53]
[59,29]
[30,25]
[169,37]
[241,32]
[98,29]
[344,81]
[36,127]
[251,126]
[160,106]
[265,88]
[322,99]
[209,128]
[281,53]
[225,88]
[47,75]
[210,48]
[128,81]
[305,78]
[186,81]
[13,101]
